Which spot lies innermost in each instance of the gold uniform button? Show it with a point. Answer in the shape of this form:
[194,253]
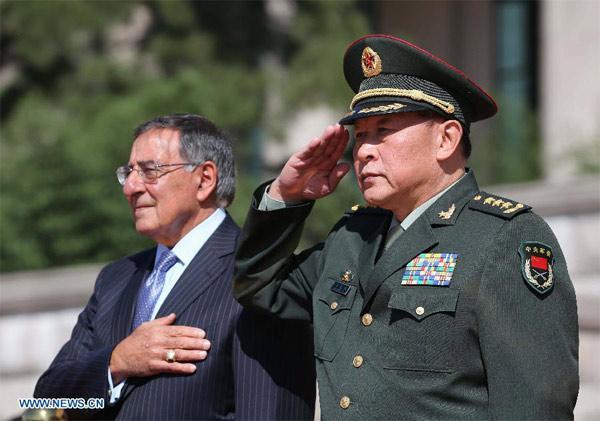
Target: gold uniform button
[345,402]
[420,310]
[333,305]
[367,319]
[357,361]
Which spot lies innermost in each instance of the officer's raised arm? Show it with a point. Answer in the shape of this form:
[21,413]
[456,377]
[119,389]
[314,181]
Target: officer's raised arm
[269,277]
[314,171]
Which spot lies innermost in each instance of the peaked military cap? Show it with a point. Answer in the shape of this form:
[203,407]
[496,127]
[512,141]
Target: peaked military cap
[391,75]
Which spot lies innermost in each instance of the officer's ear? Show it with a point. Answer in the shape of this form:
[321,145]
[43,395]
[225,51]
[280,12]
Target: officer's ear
[449,135]
[206,176]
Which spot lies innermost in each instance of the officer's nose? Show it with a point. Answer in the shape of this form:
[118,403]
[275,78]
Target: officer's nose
[365,151]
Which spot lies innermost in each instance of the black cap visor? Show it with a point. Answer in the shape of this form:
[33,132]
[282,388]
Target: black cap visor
[388,105]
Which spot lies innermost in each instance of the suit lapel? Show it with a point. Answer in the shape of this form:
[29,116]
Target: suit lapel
[123,317]
[203,270]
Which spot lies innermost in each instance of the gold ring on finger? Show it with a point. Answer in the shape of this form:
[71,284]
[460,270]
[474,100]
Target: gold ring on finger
[170,357]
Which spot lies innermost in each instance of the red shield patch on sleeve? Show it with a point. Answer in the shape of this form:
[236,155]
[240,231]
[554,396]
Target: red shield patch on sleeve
[536,265]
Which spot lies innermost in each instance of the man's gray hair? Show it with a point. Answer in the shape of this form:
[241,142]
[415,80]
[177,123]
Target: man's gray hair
[200,140]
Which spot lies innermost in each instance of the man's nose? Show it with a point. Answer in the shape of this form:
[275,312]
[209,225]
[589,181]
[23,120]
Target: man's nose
[133,184]
[365,151]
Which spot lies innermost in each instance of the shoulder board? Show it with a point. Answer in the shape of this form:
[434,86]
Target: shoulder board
[365,210]
[496,205]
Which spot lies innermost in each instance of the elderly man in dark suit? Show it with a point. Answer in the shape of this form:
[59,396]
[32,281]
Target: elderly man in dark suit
[162,336]
[438,301]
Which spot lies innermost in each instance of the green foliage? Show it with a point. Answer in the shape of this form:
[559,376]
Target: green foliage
[68,114]
[43,33]
[323,30]
[511,152]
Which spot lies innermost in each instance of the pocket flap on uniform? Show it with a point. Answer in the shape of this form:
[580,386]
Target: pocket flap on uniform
[421,302]
[337,301]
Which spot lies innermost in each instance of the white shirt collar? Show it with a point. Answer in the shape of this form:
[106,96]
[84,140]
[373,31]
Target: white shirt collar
[191,243]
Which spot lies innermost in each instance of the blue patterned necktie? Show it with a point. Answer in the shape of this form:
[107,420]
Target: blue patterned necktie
[152,288]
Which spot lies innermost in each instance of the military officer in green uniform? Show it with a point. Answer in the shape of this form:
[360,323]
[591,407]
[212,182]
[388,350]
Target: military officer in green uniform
[437,300]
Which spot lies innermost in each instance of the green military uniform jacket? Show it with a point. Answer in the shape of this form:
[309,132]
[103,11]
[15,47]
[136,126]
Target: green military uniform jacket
[496,342]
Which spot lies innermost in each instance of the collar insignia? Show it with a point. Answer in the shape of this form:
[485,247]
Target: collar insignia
[371,62]
[447,214]
[536,265]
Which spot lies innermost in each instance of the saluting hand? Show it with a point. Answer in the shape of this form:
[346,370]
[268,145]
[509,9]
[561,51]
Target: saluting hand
[144,352]
[313,172]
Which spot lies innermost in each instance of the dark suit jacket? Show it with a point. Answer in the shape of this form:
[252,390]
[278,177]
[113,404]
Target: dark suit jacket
[257,368]
[485,346]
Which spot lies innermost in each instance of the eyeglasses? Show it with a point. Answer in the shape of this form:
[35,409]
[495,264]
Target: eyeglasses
[149,171]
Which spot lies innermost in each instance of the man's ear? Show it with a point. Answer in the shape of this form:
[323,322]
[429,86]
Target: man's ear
[206,178]
[450,133]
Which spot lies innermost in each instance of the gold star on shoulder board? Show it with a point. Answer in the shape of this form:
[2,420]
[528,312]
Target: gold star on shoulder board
[355,208]
[447,214]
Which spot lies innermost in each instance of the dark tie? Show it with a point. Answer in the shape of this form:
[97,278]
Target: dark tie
[150,291]
[392,236]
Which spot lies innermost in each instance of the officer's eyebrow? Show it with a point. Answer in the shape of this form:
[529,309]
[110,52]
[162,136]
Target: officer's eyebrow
[384,119]
[378,120]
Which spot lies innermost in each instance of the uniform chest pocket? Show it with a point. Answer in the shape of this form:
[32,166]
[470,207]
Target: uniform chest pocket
[421,302]
[331,316]
[422,321]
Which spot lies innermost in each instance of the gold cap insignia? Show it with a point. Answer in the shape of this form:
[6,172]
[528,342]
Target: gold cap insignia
[371,62]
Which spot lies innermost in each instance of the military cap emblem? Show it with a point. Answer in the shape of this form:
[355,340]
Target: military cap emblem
[371,62]
[536,265]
